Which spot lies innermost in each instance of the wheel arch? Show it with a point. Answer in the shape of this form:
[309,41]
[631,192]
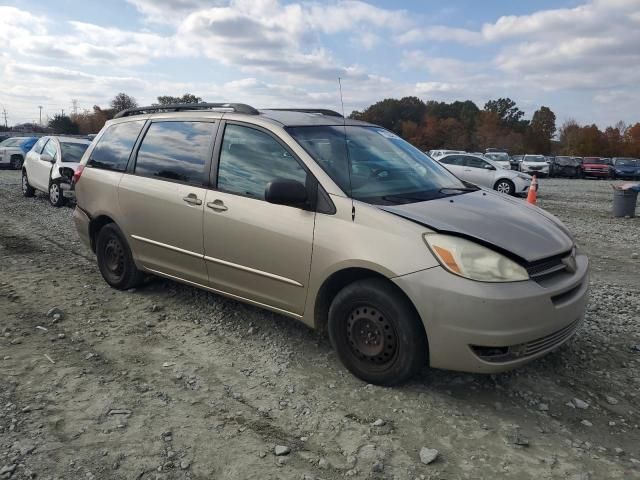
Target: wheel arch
[95,225]
[340,279]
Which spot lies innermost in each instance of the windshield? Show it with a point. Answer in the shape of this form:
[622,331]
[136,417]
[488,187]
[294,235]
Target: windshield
[627,161]
[596,161]
[384,170]
[497,157]
[11,142]
[72,152]
[534,158]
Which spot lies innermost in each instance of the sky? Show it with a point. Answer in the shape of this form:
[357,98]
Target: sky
[580,58]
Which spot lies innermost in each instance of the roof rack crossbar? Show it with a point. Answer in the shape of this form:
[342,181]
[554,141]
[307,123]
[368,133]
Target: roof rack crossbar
[180,107]
[323,111]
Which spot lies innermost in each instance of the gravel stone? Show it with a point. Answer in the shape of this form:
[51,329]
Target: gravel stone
[281,450]
[428,455]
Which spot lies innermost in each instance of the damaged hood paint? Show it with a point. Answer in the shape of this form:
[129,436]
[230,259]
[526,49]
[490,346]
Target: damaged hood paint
[507,223]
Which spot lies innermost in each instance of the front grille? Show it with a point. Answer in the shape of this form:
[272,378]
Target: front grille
[544,343]
[528,349]
[547,266]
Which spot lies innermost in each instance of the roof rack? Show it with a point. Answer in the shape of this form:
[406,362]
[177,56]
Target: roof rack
[322,111]
[180,107]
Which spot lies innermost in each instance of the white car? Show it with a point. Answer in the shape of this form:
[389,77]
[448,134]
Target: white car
[499,158]
[486,173]
[13,150]
[535,165]
[50,165]
[436,154]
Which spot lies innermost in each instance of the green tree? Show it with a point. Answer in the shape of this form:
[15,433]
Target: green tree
[122,101]
[186,98]
[508,112]
[541,130]
[62,124]
[391,113]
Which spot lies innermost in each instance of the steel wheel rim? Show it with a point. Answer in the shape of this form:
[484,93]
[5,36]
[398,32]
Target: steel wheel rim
[114,257]
[504,187]
[371,336]
[54,193]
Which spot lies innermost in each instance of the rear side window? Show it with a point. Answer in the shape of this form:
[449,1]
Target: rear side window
[176,151]
[250,159]
[114,147]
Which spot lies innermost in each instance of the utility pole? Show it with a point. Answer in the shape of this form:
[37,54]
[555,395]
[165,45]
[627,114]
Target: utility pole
[63,112]
[74,102]
[40,107]
[4,113]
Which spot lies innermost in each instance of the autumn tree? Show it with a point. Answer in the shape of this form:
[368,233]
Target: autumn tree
[391,113]
[507,111]
[541,130]
[122,101]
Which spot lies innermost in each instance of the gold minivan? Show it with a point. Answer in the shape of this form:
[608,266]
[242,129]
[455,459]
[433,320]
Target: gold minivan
[335,222]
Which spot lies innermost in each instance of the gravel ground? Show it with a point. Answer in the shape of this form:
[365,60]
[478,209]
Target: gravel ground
[167,381]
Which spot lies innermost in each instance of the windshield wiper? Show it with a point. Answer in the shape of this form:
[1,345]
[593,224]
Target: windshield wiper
[458,189]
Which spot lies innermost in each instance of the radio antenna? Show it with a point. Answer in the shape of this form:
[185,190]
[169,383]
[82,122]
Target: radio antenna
[346,149]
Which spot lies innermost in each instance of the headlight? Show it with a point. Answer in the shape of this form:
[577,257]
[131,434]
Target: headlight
[524,177]
[473,261]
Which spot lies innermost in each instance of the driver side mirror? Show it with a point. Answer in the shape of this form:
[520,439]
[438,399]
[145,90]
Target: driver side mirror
[489,167]
[45,157]
[286,192]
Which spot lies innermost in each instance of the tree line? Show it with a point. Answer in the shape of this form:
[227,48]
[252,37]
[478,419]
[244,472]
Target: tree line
[500,124]
[91,121]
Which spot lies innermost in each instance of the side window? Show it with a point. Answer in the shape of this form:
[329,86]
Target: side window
[250,159]
[114,147]
[474,162]
[40,144]
[453,160]
[50,149]
[175,151]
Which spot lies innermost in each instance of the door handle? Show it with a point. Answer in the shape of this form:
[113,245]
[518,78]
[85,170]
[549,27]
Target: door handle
[218,206]
[468,170]
[192,199]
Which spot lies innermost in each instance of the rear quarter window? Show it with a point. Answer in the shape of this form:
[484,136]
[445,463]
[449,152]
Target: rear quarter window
[114,147]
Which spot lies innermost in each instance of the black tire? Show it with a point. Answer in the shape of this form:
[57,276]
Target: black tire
[16,162]
[55,194]
[27,190]
[115,260]
[376,332]
[505,186]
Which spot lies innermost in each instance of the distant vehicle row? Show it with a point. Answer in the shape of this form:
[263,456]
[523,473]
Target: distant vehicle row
[560,166]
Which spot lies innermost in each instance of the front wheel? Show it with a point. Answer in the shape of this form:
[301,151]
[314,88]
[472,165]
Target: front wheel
[55,195]
[115,260]
[505,186]
[27,190]
[376,332]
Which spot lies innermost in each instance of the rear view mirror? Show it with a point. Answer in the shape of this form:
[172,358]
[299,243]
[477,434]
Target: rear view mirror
[286,192]
[45,157]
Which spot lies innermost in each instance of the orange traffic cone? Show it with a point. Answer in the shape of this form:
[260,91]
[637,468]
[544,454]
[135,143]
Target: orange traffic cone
[532,196]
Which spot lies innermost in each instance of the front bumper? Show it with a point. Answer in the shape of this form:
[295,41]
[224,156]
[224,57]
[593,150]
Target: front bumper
[492,327]
[535,171]
[595,172]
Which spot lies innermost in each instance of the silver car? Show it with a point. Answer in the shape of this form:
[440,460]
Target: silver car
[338,223]
[486,173]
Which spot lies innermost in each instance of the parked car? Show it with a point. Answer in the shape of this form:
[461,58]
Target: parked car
[535,165]
[564,166]
[597,167]
[50,165]
[484,172]
[335,222]
[499,158]
[624,167]
[13,151]
[436,154]
[516,160]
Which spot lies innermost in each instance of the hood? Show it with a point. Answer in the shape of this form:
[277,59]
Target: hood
[507,223]
[627,168]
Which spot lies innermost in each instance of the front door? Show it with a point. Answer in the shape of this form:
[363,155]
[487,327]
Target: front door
[163,197]
[40,170]
[478,171]
[254,249]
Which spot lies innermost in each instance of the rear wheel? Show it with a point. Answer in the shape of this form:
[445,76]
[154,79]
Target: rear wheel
[27,190]
[505,186]
[376,332]
[55,194]
[16,162]
[115,260]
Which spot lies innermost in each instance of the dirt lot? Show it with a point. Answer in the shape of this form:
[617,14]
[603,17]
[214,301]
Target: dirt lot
[171,382]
